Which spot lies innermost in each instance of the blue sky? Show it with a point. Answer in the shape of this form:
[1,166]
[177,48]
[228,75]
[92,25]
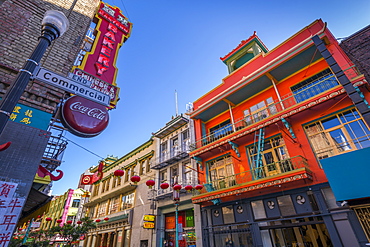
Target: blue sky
[176,46]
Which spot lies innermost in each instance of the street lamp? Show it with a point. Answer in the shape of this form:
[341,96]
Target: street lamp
[54,25]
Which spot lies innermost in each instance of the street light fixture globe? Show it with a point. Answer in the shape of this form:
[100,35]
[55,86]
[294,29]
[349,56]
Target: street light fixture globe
[57,19]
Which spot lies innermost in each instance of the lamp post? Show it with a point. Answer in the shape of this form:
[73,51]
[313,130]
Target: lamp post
[54,25]
[176,198]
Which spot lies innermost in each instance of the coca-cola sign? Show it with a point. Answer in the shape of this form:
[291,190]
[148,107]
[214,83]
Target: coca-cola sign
[84,117]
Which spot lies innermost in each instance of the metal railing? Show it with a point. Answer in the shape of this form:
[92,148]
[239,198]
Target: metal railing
[172,155]
[156,192]
[274,108]
[274,169]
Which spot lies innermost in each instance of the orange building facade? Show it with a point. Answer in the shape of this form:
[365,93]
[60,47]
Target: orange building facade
[260,136]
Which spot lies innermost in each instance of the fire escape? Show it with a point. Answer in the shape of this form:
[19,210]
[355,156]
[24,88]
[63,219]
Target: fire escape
[54,151]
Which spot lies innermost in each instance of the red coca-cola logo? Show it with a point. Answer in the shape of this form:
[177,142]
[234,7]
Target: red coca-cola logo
[84,117]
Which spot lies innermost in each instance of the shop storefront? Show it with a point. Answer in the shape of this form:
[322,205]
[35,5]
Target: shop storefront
[186,229]
[295,218]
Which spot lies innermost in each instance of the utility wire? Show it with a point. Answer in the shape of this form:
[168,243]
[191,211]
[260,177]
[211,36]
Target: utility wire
[126,11]
[83,148]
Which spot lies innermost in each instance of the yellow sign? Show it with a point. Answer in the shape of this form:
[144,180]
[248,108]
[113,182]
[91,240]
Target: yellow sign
[149,217]
[148,225]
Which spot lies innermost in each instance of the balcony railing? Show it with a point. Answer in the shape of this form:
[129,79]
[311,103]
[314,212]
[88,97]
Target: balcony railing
[158,193]
[319,86]
[274,169]
[173,155]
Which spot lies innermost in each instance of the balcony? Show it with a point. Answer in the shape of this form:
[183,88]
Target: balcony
[277,173]
[157,194]
[170,157]
[298,100]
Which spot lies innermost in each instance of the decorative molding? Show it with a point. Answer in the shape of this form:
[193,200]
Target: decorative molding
[235,147]
[254,186]
[289,127]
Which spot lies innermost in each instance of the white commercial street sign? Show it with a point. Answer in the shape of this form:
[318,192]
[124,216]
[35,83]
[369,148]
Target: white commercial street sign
[71,86]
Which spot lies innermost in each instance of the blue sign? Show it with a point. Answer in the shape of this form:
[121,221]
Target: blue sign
[30,116]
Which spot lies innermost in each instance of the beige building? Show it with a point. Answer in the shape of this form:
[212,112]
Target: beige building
[118,205]
[178,219]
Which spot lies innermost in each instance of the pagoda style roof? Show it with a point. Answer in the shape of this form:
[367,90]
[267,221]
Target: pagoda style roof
[244,43]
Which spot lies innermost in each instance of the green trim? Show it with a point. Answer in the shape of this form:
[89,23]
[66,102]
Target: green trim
[237,54]
[331,114]
[130,155]
[147,156]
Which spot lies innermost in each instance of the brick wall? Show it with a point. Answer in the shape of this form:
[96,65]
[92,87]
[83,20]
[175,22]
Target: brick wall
[357,48]
[20,26]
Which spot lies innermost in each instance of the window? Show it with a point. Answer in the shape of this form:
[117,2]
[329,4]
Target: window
[188,176]
[185,141]
[114,204]
[75,203]
[286,205]
[142,167]
[91,212]
[337,134]
[221,172]
[148,165]
[163,154]
[274,157]
[175,175]
[258,209]
[220,130]
[127,201]
[102,209]
[175,149]
[228,214]
[314,85]
[96,190]
[163,176]
[260,111]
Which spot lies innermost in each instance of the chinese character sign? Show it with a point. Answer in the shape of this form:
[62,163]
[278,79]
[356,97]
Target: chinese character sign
[30,116]
[10,209]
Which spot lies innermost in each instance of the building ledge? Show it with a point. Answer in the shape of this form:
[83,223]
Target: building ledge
[299,174]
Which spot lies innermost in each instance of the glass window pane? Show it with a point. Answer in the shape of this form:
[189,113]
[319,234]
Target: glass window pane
[340,140]
[331,122]
[348,116]
[228,214]
[286,205]
[258,209]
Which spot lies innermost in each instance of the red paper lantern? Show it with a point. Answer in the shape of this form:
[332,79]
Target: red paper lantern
[164,186]
[119,173]
[188,187]
[199,187]
[38,216]
[177,187]
[69,222]
[59,221]
[48,219]
[79,222]
[106,218]
[135,179]
[97,220]
[150,183]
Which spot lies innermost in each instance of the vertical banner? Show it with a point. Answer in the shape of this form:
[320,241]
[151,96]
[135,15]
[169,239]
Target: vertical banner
[98,68]
[10,209]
